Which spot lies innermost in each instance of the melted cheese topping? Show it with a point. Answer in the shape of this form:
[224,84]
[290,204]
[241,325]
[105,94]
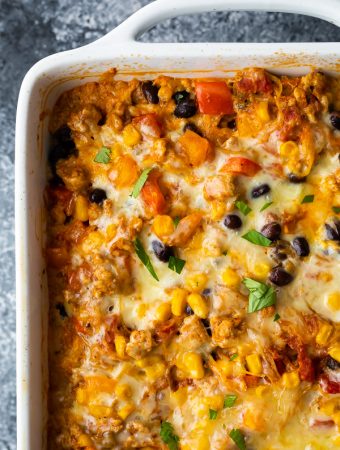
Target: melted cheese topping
[129,352]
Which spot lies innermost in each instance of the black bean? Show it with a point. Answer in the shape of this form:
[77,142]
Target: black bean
[214,355]
[163,252]
[227,122]
[97,196]
[332,363]
[186,108]
[192,127]
[280,277]
[295,179]
[232,221]
[272,231]
[260,190]
[206,292]
[232,124]
[150,92]
[63,134]
[301,246]
[206,324]
[332,234]
[179,96]
[61,151]
[335,119]
[189,311]
[62,311]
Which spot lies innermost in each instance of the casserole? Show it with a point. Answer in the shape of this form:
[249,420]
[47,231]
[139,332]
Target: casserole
[42,86]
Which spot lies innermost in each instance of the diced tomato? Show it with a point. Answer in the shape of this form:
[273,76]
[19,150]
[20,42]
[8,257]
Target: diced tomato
[251,380]
[149,125]
[329,386]
[152,195]
[214,97]
[306,367]
[254,81]
[242,166]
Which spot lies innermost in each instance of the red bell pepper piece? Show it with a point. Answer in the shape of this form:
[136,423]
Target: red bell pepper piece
[241,166]
[214,97]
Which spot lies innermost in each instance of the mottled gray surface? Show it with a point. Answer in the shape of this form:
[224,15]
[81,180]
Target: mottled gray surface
[30,30]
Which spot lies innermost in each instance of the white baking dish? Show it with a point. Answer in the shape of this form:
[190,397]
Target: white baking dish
[41,87]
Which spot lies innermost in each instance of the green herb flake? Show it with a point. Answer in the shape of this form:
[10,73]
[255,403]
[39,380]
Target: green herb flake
[336,209]
[237,436]
[243,207]
[261,295]
[229,401]
[176,221]
[140,182]
[265,206]
[103,156]
[142,255]
[257,238]
[168,436]
[176,264]
[307,199]
[212,414]
[233,357]
[276,317]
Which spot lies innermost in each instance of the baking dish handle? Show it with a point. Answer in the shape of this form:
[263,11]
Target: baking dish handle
[159,10]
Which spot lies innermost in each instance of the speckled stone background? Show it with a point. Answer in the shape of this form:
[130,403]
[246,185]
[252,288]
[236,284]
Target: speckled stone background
[32,29]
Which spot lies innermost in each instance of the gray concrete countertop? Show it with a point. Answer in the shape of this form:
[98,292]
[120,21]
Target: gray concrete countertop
[32,29]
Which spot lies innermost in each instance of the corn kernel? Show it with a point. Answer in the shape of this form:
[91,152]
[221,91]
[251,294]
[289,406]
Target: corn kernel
[99,411]
[202,443]
[336,418]
[111,231]
[180,396]
[81,210]
[254,364]
[157,370]
[198,305]
[290,380]
[126,410]
[333,301]
[142,309]
[289,149]
[193,364]
[163,312]
[334,352]
[84,440]
[131,135]
[120,344]
[215,401]
[218,209]
[336,440]
[230,278]
[178,301]
[252,420]
[123,390]
[261,390]
[330,406]
[196,282]
[81,396]
[226,367]
[262,111]
[93,241]
[261,270]
[163,226]
[324,334]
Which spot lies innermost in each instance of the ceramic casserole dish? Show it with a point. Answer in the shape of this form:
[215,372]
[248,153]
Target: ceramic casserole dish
[53,75]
